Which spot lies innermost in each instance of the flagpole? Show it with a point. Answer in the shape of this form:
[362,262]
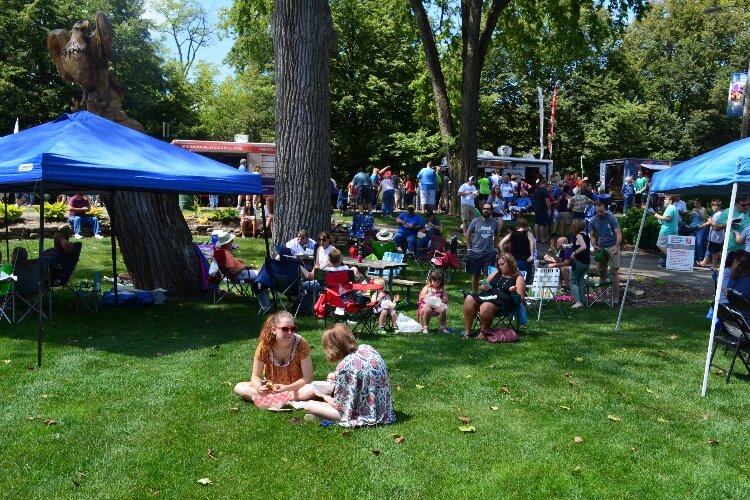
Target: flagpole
[16,129]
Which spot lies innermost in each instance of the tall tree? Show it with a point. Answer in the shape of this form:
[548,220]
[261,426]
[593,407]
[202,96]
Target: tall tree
[188,24]
[303,40]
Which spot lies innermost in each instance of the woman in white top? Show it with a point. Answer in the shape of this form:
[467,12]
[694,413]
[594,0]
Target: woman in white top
[715,238]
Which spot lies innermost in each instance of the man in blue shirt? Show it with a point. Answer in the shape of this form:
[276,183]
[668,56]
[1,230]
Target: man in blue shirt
[427,186]
[363,185]
[409,225]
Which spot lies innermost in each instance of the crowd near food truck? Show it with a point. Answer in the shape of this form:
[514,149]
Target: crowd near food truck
[526,167]
[612,173]
[231,152]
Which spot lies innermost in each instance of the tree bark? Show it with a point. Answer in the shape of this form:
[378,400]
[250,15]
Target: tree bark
[303,40]
[155,241]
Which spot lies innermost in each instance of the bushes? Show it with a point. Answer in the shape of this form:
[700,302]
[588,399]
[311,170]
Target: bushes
[14,212]
[224,215]
[58,211]
[630,224]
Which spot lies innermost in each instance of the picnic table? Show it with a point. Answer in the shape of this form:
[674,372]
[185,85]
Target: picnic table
[377,265]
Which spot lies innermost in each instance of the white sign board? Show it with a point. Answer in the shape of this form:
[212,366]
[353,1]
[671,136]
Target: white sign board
[680,253]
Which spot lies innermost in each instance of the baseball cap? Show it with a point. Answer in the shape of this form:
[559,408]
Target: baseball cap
[472,179]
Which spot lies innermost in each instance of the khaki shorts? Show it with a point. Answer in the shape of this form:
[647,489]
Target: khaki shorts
[566,218]
[661,241]
[614,259]
[468,213]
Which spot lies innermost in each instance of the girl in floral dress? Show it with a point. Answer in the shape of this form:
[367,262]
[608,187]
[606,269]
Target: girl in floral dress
[433,301]
[362,393]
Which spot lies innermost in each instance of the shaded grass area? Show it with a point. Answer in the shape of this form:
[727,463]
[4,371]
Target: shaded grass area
[140,396]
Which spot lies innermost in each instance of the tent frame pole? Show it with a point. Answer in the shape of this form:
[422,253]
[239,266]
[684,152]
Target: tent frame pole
[114,259]
[7,235]
[719,284]
[632,261]
[268,250]
[42,278]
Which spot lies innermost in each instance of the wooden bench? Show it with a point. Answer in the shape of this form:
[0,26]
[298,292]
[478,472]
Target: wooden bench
[407,284]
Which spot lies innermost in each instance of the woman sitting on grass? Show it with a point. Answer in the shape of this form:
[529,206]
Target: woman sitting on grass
[362,392]
[433,300]
[283,359]
[494,294]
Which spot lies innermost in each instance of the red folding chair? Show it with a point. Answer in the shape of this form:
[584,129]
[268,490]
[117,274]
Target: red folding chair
[346,301]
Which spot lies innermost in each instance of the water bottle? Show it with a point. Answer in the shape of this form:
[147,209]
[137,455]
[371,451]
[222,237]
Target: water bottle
[214,239]
[359,257]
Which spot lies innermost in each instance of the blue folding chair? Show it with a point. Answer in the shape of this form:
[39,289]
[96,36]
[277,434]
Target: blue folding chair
[283,277]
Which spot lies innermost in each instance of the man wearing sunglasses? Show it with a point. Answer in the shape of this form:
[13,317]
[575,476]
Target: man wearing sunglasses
[481,244]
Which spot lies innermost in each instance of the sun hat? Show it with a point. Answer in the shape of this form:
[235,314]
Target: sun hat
[410,207]
[384,234]
[472,179]
[224,238]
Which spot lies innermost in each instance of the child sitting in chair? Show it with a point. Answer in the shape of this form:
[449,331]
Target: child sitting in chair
[433,301]
[385,306]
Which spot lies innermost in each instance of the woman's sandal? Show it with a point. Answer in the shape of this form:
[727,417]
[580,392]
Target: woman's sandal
[466,335]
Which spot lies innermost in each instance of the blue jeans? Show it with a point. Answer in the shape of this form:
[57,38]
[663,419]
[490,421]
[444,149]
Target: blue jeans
[86,219]
[213,200]
[389,197]
[627,202]
[405,242]
[700,238]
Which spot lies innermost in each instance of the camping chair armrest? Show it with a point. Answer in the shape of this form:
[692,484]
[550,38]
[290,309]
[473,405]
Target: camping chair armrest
[465,292]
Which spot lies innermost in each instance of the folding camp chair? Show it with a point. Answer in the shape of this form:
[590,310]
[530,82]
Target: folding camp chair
[26,290]
[343,300]
[734,334]
[285,280]
[423,256]
[543,288]
[210,281]
[89,293]
[445,260]
[379,248]
[503,316]
[61,268]
[601,289]
[235,284]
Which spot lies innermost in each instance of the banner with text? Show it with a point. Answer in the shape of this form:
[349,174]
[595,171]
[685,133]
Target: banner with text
[680,253]
[736,99]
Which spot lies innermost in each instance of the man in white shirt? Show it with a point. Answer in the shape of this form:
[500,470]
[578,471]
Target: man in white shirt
[495,179]
[468,193]
[506,190]
[301,244]
[679,204]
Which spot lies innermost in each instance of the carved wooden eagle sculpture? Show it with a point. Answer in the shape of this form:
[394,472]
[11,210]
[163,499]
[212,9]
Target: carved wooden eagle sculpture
[84,59]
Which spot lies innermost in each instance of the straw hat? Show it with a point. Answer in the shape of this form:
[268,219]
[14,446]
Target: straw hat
[384,235]
[224,238]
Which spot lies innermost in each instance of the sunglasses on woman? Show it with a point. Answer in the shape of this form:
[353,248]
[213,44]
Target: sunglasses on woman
[288,329]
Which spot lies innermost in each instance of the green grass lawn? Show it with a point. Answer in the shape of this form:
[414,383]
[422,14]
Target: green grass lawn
[140,396]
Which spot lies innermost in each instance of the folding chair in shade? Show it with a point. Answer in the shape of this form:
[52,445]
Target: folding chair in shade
[240,286]
[210,281]
[543,288]
[734,335]
[61,267]
[26,290]
[601,289]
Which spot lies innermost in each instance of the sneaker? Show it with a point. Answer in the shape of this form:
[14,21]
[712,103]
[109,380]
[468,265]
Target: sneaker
[98,236]
[443,329]
[77,236]
[309,417]
[382,330]
[576,305]
[425,330]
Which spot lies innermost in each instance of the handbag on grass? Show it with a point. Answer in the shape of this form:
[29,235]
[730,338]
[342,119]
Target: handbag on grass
[502,334]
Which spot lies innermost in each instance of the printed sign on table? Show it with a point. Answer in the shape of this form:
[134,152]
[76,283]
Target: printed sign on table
[680,253]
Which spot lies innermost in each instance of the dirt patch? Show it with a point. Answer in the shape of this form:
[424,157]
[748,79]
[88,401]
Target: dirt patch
[646,291]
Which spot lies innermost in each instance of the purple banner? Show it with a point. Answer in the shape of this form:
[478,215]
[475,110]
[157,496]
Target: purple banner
[736,99]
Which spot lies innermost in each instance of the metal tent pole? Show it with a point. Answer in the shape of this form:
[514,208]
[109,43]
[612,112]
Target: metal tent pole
[268,249]
[40,326]
[114,256]
[632,262]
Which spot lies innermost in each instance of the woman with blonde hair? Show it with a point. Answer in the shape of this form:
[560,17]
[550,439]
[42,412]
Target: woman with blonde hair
[282,359]
[362,391]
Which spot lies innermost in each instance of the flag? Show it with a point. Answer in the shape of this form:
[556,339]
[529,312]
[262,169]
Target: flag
[16,129]
[552,120]
[736,98]
[541,122]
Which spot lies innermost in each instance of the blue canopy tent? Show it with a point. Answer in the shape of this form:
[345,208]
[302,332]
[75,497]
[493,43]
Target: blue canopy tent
[725,170]
[82,152]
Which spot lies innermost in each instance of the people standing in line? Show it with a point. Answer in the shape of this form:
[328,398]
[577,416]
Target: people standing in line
[628,194]
[427,186]
[566,216]
[481,243]
[698,216]
[507,191]
[483,184]
[468,193]
[495,179]
[542,212]
[388,191]
[241,197]
[439,190]
[398,186]
[362,183]
[578,204]
[605,233]
[498,203]
[581,262]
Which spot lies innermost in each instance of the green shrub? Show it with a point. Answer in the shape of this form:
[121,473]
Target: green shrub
[55,211]
[631,223]
[14,212]
[224,215]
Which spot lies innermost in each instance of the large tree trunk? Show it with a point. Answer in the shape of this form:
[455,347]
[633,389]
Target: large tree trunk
[303,39]
[155,241]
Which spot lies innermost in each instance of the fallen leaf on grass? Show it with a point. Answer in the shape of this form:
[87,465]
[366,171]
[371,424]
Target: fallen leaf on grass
[80,474]
[227,382]
[159,354]
[467,428]
[400,356]
[492,367]
[211,454]
[465,420]
[50,421]
[565,407]
[375,451]
[234,408]
[576,471]
[31,368]
[296,421]
[506,389]
[572,382]
[578,439]
[568,374]
[398,387]
[398,438]
[35,417]
[673,337]
[634,449]
[613,418]
[662,420]
[712,442]
[578,359]
[468,376]
[420,387]
[6,361]
[494,408]
[205,481]
[346,433]
[650,391]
